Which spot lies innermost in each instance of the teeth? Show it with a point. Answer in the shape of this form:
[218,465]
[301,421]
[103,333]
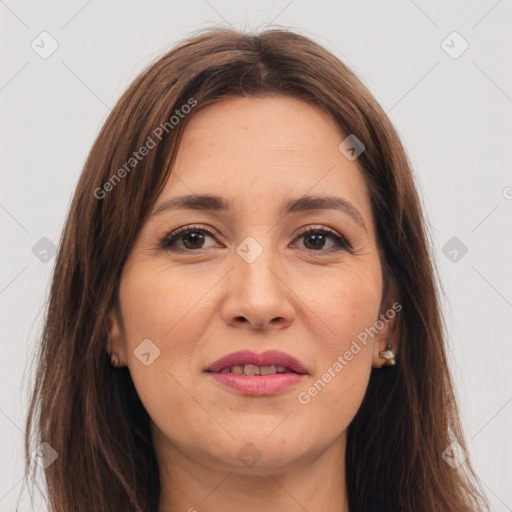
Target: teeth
[239,370]
[252,369]
[268,370]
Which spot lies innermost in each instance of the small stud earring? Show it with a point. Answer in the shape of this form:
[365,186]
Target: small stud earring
[114,360]
[388,356]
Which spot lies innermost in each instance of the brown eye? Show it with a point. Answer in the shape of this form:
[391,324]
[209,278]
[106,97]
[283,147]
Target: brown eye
[315,239]
[186,239]
[193,240]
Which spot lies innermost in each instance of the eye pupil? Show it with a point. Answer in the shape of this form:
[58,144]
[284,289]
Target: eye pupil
[320,240]
[194,237]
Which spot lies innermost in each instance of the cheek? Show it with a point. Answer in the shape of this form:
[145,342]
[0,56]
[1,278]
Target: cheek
[346,302]
[171,310]
[349,306]
[165,305]
[331,398]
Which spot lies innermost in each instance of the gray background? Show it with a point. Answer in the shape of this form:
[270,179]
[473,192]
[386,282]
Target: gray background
[453,114]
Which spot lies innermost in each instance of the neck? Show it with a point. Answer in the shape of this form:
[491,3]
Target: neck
[192,485]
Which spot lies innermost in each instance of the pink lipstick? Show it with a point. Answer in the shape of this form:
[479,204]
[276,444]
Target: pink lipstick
[252,373]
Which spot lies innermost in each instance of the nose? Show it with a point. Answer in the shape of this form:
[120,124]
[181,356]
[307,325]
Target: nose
[258,295]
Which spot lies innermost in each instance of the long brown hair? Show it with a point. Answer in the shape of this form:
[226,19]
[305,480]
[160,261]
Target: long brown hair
[90,413]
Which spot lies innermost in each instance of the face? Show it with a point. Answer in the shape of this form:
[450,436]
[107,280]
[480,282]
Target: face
[257,276]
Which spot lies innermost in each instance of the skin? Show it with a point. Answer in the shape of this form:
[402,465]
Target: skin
[299,296]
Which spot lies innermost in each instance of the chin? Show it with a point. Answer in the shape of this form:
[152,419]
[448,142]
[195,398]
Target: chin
[262,454]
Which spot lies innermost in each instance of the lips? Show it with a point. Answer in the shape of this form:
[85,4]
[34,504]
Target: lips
[250,363]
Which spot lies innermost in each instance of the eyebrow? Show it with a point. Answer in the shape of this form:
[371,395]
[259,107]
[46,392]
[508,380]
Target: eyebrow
[213,203]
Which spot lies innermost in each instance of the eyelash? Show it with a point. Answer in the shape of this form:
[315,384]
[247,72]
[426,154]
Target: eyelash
[168,240]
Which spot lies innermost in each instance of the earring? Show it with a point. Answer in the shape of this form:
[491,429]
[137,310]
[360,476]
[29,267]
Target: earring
[388,356]
[114,360]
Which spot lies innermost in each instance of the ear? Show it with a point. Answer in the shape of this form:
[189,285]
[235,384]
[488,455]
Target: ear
[388,333]
[116,336]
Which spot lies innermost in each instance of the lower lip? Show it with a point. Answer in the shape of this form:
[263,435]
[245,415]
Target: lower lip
[258,384]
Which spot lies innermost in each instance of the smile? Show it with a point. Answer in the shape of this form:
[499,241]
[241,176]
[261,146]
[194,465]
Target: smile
[252,369]
[252,373]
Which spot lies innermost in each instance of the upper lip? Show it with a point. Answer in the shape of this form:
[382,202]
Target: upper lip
[268,358]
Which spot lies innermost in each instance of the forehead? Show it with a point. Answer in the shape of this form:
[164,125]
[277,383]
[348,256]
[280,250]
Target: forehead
[265,127]
[264,149]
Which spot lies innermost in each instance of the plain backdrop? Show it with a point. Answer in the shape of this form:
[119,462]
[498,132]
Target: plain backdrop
[449,96]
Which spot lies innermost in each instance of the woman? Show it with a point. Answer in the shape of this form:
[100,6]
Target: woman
[243,314]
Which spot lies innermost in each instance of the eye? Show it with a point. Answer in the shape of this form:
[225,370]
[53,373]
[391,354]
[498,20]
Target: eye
[315,240]
[187,238]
